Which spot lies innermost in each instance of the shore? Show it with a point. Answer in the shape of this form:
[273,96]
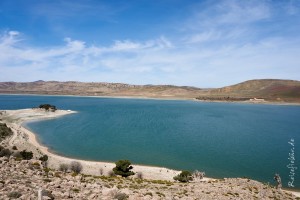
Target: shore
[171,98]
[25,139]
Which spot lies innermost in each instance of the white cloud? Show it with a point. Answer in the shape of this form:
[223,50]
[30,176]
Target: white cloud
[218,46]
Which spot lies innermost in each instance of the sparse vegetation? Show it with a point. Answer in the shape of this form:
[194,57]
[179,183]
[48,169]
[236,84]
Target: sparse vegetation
[14,195]
[198,175]
[123,168]
[66,186]
[48,107]
[184,176]
[63,167]
[5,152]
[4,131]
[43,158]
[76,167]
[26,155]
[120,196]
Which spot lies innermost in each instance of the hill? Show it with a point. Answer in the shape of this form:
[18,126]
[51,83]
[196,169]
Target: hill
[274,90]
[98,89]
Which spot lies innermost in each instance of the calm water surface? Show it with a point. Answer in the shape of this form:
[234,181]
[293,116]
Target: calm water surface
[222,139]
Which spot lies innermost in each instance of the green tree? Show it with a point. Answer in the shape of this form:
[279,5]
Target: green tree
[184,176]
[43,158]
[123,168]
[26,155]
[48,107]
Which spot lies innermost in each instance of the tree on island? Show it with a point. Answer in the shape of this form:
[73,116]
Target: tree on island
[123,168]
[184,176]
[48,107]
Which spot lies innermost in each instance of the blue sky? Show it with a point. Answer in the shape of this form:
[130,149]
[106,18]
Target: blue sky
[180,42]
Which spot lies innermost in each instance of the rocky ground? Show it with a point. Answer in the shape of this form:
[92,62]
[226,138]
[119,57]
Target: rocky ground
[21,179]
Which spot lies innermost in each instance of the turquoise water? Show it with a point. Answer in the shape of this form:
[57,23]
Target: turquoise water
[222,139]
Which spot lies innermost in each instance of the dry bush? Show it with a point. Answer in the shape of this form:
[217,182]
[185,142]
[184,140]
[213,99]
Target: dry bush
[76,167]
[63,167]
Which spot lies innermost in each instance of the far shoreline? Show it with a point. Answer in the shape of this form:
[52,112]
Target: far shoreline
[193,99]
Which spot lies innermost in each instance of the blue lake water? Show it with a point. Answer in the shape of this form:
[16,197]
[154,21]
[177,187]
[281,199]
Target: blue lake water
[222,139]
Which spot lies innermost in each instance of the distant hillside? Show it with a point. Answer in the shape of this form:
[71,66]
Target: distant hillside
[269,89]
[99,89]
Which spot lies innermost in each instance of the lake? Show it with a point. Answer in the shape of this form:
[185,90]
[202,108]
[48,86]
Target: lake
[222,139]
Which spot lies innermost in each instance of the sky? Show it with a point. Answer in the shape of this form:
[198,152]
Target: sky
[201,43]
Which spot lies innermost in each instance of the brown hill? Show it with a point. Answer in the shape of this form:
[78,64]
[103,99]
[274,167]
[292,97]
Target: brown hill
[99,89]
[269,89]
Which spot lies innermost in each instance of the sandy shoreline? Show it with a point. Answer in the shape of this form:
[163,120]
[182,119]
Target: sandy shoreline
[25,139]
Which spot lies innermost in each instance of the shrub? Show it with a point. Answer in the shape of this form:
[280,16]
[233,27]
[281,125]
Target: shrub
[43,158]
[120,196]
[48,107]
[4,131]
[5,152]
[63,167]
[198,175]
[184,176]
[123,168]
[46,170]
[76,167]
[16,154]
[47,193]
[26,155]
[14,195]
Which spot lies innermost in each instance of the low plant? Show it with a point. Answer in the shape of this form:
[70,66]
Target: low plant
[26,155]
[63,167]
[14,195]
[47,193]
[76,167]
[184,176]
[5,152]
[46,170]
[5,131]
[123,168]
[120,196]
[17,154]
[43,158]
[76,190]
